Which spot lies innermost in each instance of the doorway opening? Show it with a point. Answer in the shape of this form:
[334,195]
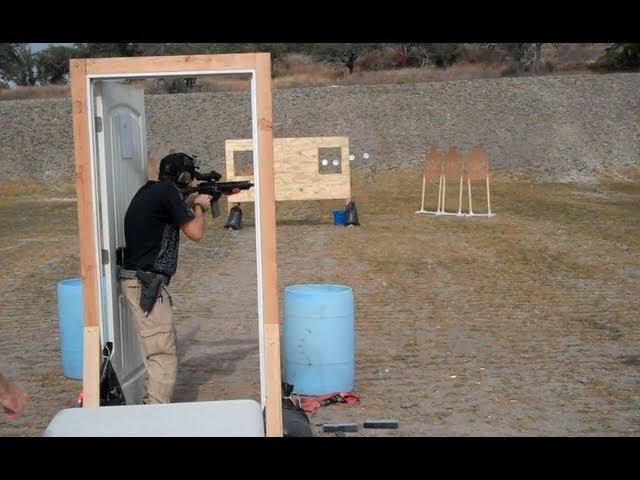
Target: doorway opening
[112,132]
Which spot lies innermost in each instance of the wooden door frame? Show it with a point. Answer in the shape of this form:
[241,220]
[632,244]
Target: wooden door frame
[82,74]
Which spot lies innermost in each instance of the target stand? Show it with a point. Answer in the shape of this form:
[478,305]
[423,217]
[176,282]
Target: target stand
[478,169]
[433,168]
[451,166]
[452,169]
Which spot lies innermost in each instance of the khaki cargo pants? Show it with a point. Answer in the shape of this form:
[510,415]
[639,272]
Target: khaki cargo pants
[157,340]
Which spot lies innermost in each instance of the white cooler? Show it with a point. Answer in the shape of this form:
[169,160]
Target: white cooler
[232,418]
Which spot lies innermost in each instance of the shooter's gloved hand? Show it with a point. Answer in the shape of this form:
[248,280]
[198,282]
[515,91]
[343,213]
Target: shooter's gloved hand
[190,200]
[204,201]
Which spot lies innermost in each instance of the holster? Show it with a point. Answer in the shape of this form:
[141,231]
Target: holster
[150,285]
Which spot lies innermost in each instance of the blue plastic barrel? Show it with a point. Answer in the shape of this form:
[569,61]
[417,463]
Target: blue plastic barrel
[338,217]
[319,338]
[70,322]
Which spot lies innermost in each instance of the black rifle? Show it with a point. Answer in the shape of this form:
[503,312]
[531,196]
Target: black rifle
[211,185]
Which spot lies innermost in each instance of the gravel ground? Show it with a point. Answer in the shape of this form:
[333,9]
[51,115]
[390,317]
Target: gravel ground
[524,324]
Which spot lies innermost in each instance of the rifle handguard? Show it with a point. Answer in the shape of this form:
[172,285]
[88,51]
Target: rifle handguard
[215,189]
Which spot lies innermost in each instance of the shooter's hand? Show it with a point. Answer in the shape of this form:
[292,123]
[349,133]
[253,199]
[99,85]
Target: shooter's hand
[13,402]
[233,192]
[191,199]
[203,200]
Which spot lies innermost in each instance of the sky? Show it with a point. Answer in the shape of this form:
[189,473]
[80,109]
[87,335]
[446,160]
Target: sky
[39,46]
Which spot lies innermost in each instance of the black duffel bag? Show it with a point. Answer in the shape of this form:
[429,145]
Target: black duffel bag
[295,422]
[235,218]
[351,214]
[110,390]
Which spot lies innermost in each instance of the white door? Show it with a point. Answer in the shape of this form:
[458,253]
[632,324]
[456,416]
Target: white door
[122,170]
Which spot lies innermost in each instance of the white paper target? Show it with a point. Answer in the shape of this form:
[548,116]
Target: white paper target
[352,157]
[365,155]
[335,163]
[325,162]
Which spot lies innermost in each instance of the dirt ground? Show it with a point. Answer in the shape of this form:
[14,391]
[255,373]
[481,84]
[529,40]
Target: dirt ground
[523,324]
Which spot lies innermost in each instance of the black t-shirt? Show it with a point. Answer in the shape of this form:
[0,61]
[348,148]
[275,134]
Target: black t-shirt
[152,228]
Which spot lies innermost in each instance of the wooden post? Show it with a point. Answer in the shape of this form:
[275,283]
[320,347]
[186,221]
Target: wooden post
[488,195]
[452,169]
[479,170]
[444,191]
[152,167]
[460,202]
[273,386]
[88,268]
[424,184]
[439,192]
[469,188]
[424,180]
[229,172]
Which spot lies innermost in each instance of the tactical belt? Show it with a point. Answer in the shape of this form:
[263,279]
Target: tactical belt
[124,273]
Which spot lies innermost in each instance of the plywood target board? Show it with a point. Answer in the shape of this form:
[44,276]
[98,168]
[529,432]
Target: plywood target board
[433,163]
[450,168]
[477,164]
[305,168]
[453,164]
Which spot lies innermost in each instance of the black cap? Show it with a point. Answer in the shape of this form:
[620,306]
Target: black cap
[175,163]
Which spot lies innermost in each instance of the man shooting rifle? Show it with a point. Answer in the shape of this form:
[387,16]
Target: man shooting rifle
[152,224]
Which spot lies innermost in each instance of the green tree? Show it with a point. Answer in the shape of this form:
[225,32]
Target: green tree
[52,64]
[405,55]
[168,48]
[441,55]
[17,64]
[621,56]
[6,53]
[527,57]
[98,50]
[344,53]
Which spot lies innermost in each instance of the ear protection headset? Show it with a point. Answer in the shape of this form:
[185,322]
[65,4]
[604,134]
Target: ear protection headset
[183,169]
[184,178]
